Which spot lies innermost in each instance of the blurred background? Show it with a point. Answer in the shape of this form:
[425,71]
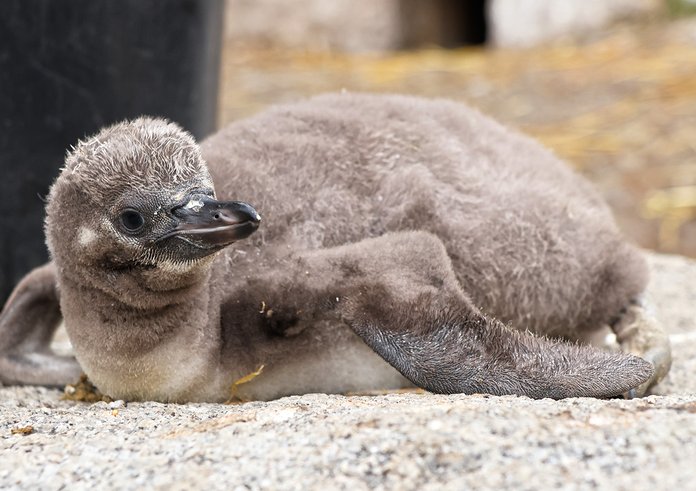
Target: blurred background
[609,85]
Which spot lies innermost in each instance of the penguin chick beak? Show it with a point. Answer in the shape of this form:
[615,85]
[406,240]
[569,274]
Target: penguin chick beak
[211,224]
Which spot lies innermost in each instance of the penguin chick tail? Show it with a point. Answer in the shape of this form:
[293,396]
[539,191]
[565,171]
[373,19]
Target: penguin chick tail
[463,351]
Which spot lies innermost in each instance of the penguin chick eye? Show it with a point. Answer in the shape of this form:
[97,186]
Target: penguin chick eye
[132,221]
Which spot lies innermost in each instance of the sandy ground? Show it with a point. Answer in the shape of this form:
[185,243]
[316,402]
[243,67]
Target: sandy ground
[394,441]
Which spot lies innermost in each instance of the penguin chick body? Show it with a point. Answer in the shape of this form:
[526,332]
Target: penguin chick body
[404,241]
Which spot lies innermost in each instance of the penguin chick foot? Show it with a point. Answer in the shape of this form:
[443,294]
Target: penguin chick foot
[639,333]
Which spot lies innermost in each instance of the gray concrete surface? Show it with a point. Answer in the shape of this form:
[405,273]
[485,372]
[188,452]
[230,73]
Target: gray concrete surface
[395,441]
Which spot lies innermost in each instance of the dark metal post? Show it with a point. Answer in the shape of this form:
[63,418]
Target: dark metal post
[69,67]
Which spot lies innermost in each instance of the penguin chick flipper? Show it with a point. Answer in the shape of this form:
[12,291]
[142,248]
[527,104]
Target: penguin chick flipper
[458,350]
[27,324]
[400,294]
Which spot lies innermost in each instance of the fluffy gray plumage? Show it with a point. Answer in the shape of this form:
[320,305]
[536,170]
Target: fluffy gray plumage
[436,235]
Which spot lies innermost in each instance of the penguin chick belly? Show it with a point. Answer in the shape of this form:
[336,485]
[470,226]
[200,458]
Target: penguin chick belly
[176,370]
[328,358]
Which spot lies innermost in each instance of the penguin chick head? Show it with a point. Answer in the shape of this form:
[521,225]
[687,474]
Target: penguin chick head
[133,213]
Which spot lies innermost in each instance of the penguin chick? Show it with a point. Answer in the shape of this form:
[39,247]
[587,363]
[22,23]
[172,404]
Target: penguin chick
[405,241]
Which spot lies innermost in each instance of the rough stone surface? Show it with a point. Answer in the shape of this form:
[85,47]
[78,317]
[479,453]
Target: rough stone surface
[394,441]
